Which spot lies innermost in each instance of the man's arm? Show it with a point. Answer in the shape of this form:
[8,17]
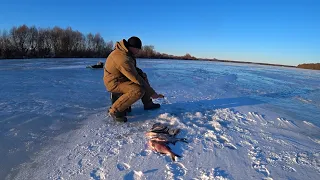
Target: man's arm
[145,77]
[126,67]
[141,73]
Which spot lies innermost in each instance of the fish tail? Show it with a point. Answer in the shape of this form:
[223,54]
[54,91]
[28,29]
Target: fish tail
[184,140]
[174,142]
[173,156]
[178,155]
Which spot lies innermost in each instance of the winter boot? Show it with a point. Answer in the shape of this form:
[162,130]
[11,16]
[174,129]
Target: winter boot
[128,109]
[151,106]
[118,116]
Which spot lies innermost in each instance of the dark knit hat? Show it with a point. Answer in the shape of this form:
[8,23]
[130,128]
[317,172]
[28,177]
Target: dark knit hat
[135,42]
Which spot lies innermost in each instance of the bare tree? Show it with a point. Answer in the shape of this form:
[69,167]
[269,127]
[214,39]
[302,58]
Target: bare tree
[99,45]
[108,49]
[7,47]
[45,45]
[19,39]
[32,41]
[1,45]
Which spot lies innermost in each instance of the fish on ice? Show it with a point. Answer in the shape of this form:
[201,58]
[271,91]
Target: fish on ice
[162,148]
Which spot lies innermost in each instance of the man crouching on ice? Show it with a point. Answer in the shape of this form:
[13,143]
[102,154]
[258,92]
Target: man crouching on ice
[121,75]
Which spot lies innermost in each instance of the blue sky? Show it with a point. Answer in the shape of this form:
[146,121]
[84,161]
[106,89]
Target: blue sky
[271,31]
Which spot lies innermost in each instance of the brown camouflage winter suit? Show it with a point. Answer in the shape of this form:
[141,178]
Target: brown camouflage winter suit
[121,75]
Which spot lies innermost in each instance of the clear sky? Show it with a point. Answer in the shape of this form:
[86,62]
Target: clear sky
[270,31]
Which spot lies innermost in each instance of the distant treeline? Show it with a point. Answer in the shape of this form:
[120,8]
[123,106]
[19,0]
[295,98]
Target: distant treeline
[32,42]
[148,51]
[310,66]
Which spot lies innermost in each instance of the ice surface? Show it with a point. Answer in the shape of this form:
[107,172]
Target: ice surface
[243,122]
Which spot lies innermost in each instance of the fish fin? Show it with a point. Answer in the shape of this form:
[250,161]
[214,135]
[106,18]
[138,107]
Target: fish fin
[184,140]
[173,132]
[178,155]
[159,128]
[173,156]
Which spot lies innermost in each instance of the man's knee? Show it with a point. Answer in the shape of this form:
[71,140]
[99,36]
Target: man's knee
[138,92]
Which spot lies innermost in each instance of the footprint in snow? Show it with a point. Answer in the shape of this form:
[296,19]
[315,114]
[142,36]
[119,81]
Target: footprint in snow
[123,166]
[257,118]
[222,139]
[84,164]
[175,170]
[288,168]
[134,175]
[219,141]
[145,152]
[114,151]
[98,174]
[259,161]
[101,160]
[221,174]
[230,145]
[261,168]
[214,173]
[226,142]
